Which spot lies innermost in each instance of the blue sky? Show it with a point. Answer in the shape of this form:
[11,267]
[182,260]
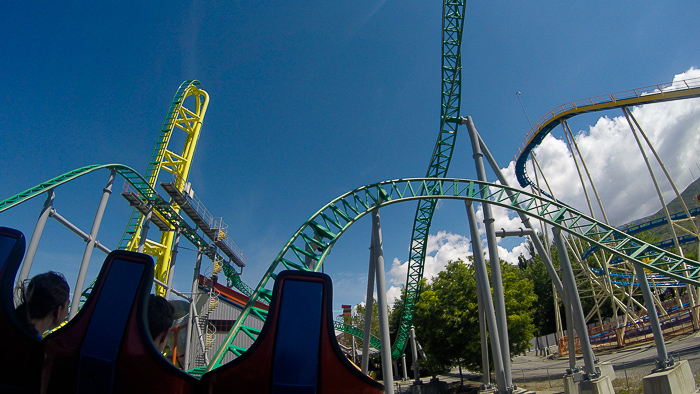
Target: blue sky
[309,100]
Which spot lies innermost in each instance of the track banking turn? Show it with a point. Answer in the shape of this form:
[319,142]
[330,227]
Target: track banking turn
[678,90]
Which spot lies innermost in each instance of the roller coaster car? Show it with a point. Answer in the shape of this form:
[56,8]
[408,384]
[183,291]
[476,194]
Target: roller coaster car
[296,351]
[21,351]
[107,347]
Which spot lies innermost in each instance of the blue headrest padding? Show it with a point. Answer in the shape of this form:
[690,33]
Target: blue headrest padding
[297,341]
[104,335]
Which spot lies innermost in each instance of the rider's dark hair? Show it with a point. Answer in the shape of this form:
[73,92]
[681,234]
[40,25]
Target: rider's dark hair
[41,296]
[160,315]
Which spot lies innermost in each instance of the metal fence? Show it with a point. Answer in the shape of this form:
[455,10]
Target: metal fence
[604,337]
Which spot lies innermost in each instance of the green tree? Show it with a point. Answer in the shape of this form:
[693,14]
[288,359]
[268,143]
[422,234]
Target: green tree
[447,318]
[358,320]
[543,310]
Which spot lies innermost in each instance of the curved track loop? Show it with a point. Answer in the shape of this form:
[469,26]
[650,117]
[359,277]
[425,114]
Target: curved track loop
[638,228]
[177,163]
[678,90]
[154,163]
[317,236]
[142,188]
[357,333]
[452,28]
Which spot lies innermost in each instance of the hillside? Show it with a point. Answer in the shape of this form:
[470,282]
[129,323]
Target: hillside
[663,232]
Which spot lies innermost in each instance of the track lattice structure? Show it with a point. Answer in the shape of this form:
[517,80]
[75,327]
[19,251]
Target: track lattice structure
[452,28]
[325,227]
[671,91]
[145,192]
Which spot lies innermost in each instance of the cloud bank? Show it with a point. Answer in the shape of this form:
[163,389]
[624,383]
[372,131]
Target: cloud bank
[617,168]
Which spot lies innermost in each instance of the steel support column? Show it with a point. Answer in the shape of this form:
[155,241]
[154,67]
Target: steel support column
[484,338]
[78,289]
[173,257]
[387,372]
[482,276]
[495,261]
[369,299]
[414,351]
[144,229]
[663,361]
[403,362]
[193,306]
[576,309]
[36,236]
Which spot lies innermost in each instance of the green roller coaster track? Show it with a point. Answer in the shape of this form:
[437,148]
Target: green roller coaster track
[317,236]
[357,332]
[145,192]
[452,28]
[157,156]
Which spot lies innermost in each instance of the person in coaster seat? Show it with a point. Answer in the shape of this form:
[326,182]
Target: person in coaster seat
[44,304]
[160,318]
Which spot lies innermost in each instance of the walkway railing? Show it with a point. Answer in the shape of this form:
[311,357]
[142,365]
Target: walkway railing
[604,337]
[610,98]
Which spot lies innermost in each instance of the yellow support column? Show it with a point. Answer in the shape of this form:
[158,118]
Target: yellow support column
[178,164]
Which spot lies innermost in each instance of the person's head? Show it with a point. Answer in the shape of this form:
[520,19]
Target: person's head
[160,318]
[45,301]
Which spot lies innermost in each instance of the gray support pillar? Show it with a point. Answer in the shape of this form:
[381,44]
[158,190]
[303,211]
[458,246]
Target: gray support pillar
[497,280]
[78,289]
[144,229]
[387,373]
[405,371]
[570,335]
[484,340]
[36,237]
[526,221]
[663,361]
[414,351]
[369,299]
[482,276]
[173,257]
[70,226]
[576,309]
[193,303]
[354,350]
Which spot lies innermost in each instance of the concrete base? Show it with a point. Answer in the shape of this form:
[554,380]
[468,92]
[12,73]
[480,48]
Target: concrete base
[601,385]
[434,387]
[675,380]
[570,387]
[606,369]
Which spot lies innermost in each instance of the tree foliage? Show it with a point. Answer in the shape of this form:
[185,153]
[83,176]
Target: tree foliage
[447,315]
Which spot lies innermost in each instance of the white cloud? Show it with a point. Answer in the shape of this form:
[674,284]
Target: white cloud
[393,293]
[503,219]
[511,256]
[615,162]
[442,247]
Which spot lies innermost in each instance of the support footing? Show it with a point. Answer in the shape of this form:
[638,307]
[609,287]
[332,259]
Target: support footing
[601,385]
[677,379]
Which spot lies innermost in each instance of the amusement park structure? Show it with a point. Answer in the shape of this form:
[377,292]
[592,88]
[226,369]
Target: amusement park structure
[611,261]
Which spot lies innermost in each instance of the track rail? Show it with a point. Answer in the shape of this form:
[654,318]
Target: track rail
[452,28]
[145,192]
[357,333]
[678,90]
[316,237]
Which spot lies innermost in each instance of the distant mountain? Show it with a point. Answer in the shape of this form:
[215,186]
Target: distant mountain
[662,233]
